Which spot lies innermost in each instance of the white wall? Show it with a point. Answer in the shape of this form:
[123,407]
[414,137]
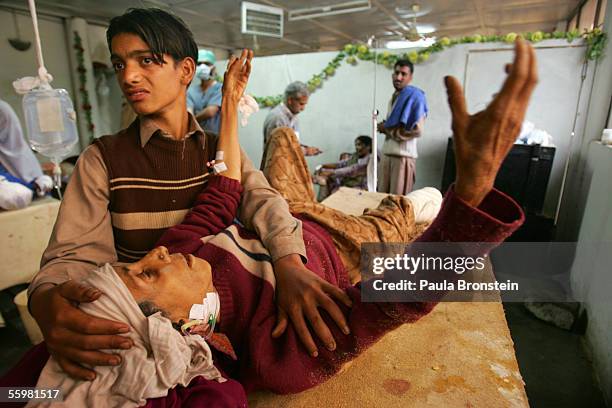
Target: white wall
[109,104]
[341,110]
[589,209]
[598,110]
[591,278]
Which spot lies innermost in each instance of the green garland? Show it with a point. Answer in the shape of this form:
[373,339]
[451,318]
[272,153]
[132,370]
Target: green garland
[351,53]
[82,73]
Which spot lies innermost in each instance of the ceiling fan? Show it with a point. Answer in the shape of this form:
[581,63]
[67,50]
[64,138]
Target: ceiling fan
[415,34]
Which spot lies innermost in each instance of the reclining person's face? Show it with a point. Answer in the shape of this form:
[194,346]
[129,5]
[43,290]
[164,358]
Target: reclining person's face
[173,283]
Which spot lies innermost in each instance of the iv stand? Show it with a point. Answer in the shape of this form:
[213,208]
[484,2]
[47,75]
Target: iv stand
[373,163]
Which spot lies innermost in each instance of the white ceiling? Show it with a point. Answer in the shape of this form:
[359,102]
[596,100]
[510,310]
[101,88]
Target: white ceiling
[217,22]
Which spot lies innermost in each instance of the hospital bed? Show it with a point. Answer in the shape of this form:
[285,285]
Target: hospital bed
[460,355]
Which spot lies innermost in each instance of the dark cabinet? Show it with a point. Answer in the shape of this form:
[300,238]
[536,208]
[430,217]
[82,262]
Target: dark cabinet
[523,175]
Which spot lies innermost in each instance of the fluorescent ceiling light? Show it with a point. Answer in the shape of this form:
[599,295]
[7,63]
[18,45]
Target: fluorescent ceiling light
[332,9]
[412,11]
[426,28]
[424,42]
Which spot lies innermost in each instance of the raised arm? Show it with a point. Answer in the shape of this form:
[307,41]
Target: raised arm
[234,83]
[216,207]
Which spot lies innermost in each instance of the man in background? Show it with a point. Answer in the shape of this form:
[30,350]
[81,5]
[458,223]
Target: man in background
[285,115]
[204,93]
[404,124]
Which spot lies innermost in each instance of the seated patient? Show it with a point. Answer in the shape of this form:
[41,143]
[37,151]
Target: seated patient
[350,172]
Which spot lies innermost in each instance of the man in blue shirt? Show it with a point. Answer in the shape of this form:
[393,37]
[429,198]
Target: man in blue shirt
[204,93]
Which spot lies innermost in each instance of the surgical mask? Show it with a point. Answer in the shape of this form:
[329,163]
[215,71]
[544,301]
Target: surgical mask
[205,313]
[203,72]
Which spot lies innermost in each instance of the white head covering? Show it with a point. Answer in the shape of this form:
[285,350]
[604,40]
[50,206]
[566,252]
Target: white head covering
[160,359]
[15,154]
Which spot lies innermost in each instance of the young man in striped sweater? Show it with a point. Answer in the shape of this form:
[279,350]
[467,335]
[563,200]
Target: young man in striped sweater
[128,188]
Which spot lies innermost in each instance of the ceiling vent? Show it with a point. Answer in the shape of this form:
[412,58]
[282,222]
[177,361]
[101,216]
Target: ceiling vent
[333,9]
[262,20]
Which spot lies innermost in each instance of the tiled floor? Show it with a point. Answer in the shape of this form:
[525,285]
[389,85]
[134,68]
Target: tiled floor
[552,361]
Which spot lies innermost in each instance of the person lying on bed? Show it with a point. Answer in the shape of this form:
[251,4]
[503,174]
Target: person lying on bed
[229,266]
[223,289]
[236,267]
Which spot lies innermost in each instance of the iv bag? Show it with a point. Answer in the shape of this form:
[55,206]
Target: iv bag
[50,121]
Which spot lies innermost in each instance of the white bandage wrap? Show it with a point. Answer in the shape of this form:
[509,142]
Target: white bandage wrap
[203,316]
[209,308]
[219,168]
[219,155]
[247,106]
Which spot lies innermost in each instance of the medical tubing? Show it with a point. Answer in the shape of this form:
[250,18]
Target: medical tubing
[42,71]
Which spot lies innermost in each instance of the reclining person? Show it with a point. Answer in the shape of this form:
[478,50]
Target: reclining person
[240,269]
[234,274]
[228,287]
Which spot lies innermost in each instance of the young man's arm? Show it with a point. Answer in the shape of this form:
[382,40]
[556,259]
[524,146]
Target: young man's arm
[82,239]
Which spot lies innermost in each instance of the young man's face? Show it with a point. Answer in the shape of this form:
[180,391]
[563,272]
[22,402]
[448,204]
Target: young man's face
[172,282]
[150,87]
[401,77]
[296,105]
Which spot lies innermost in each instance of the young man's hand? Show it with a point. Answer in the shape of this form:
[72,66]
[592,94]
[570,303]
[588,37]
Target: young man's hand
[483,140]
[73,337]
[299,294]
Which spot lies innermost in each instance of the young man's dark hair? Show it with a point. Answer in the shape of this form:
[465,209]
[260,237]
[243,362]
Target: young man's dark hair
[404,63]
[165,33]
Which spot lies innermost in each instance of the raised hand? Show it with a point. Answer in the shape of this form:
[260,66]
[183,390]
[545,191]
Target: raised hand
[237,75]
[483,140]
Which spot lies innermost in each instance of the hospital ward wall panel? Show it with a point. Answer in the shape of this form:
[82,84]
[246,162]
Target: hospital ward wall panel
[591,279]
[553,104]
[341,109]
[16,64]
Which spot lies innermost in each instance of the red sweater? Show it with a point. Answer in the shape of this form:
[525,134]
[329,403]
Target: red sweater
[243,276]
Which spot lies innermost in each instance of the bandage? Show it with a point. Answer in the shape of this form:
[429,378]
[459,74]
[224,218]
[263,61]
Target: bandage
[219,167]
[247,106]
[205,313]
[219,155]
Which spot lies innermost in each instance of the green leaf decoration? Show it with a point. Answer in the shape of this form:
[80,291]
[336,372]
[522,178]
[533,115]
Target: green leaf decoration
[351,54]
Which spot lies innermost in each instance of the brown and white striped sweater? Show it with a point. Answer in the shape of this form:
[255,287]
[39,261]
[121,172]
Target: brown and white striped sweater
[151,187]
[126,188]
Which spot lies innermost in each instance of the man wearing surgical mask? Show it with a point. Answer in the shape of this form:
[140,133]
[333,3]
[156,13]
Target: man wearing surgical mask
[204,93]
